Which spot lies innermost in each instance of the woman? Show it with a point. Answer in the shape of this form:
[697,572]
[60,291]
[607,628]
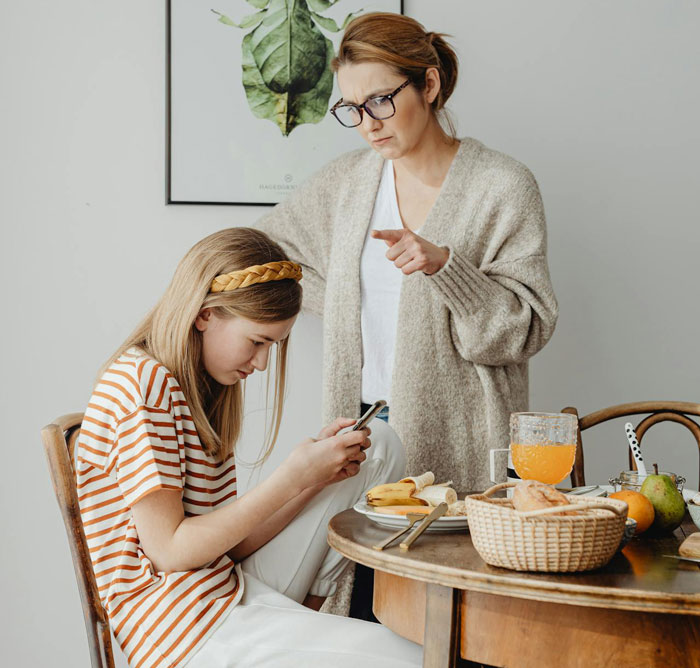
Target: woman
[425,256]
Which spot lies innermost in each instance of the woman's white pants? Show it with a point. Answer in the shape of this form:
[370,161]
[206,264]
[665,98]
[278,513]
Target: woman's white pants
[270,627]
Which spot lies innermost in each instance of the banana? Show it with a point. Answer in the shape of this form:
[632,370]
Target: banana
[394,494]
[434,495]
[413,491]
[421,481]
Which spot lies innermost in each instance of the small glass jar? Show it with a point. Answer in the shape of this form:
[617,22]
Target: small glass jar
[632,480]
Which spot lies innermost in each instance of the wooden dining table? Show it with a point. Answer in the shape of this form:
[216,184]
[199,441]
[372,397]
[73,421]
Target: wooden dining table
[640,610]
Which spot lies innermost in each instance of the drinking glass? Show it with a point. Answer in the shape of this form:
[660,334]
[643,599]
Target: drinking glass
[543,445]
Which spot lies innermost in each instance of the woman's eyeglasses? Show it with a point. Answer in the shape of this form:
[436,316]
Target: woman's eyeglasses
[379,107]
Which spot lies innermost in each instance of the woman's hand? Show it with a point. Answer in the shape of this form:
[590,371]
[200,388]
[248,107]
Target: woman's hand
[332,458]
[411,253]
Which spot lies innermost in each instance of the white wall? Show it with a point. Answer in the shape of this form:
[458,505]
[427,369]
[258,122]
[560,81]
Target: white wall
[599,99]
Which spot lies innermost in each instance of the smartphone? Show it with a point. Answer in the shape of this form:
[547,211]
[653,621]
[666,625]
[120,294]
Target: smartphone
[371,412]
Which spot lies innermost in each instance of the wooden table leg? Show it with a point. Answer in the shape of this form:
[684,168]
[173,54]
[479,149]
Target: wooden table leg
[442,627]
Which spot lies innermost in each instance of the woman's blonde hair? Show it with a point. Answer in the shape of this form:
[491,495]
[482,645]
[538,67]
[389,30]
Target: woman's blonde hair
[168,333]
[404,45]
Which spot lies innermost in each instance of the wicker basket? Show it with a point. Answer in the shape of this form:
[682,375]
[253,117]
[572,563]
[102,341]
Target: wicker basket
[541,541]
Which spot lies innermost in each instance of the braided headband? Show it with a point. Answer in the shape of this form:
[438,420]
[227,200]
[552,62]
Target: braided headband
[259,273]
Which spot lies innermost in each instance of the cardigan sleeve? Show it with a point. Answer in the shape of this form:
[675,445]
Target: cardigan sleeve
[503,311]
[301,224]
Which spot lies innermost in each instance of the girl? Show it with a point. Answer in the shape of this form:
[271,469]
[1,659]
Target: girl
[188,573]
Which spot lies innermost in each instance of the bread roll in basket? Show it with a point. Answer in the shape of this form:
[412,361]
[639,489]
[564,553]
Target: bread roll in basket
[575,537]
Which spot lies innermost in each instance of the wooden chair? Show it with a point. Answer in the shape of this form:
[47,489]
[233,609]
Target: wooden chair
[655,411]
[59,439]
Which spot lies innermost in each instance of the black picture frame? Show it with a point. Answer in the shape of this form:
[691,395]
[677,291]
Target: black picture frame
[173,197]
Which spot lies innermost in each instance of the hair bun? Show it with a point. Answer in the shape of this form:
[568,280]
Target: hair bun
[448,65]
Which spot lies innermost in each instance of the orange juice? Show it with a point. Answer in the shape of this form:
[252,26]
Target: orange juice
[549,463]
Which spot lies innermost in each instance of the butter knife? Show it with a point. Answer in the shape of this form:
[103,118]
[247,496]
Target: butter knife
[439,511]
[681,558]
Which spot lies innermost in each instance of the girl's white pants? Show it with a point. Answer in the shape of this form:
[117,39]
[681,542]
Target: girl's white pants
[270,628]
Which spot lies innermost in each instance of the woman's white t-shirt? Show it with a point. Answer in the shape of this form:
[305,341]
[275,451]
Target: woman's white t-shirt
[380,284]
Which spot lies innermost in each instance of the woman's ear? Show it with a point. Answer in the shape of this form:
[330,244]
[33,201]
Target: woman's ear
[432,84]
[203,319]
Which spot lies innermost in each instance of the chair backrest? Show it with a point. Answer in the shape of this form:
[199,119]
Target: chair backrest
[655,411]
[59,439]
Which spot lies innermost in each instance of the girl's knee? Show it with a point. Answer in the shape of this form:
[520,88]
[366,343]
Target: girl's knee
[387,446]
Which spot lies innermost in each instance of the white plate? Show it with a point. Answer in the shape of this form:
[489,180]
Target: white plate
[440,525]
[688,494]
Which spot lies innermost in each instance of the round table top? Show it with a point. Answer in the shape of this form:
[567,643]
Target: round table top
[637,578]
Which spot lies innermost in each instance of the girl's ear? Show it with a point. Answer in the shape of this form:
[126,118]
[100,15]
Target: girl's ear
[432,84]
[203,319]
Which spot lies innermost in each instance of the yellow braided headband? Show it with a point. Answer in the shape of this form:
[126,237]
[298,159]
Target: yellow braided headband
[259,273]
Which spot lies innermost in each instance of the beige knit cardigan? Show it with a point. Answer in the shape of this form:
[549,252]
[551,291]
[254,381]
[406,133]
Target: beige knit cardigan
[464,334]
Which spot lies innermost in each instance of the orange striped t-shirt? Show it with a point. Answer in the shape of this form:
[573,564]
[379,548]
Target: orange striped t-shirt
[138,437]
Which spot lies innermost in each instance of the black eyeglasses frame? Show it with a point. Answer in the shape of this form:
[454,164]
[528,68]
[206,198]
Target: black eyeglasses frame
[362,107]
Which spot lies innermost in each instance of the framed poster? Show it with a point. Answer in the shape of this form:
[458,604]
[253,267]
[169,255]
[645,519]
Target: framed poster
[249,88]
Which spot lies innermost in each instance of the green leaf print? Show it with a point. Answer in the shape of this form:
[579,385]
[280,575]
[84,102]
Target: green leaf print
[286,110]
[286,60]
[321,5]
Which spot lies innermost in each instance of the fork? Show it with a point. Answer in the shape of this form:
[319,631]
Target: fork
[412,519]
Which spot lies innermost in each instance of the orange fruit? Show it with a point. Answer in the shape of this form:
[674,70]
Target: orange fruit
[639,508]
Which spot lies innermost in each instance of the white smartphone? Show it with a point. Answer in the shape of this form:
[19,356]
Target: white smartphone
[371,412]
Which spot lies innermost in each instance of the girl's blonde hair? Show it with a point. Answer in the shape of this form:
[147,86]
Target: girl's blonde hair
[404,45]
[168,333]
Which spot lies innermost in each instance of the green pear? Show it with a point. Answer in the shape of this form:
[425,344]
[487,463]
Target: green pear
[669,506]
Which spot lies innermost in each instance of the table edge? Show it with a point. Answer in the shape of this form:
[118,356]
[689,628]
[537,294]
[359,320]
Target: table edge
[503,585]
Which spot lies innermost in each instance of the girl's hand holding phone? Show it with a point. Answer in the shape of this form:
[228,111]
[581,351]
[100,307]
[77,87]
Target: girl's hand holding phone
[332,458]
[334,427]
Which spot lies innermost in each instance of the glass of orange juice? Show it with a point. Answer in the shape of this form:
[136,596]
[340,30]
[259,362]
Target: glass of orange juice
[543,445]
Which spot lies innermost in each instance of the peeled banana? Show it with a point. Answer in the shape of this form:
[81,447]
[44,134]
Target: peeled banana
[413,491]
[434,495]
[421,481]
[394,494]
